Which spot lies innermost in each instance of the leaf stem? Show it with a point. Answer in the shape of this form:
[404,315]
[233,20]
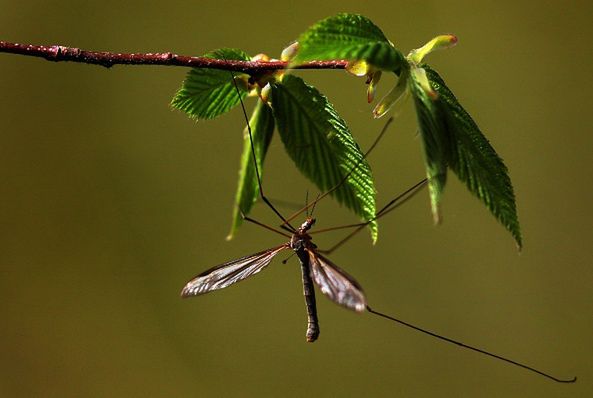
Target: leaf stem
[107,59]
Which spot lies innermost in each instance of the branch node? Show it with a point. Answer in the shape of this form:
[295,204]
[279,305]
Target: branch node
[167,56]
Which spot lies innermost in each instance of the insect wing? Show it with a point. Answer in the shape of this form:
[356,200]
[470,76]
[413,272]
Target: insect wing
[226,274]
[335,283]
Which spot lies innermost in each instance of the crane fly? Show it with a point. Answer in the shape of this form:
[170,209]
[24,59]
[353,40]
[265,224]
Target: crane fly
[331,280]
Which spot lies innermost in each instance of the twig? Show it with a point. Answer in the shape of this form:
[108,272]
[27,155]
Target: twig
[107,59]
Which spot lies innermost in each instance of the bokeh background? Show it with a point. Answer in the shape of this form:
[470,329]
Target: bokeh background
[110,202]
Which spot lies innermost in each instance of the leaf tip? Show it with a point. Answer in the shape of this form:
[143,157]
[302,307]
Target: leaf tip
[440,42]
[519,243]
[378,112]
[234,226]
[436,184]
[437,218]
[290,52]
[374,235]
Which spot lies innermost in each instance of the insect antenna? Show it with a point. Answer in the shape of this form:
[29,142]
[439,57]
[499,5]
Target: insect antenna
[469,347]
[285,223]
[254,221]
[314,204]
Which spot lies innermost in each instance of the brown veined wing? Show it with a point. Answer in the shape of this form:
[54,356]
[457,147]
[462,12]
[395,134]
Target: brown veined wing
[335,283]
[226,274]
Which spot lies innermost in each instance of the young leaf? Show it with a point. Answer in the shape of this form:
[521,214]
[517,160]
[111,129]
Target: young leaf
[262,127]
[474,161]
[434,138]
[395,98]
[208,93]
[351,37]
[322,147]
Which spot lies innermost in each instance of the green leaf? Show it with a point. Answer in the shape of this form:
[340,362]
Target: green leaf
[433,132]
[262,127]
[351,37]
[322,147]
[208,93]
[475,161]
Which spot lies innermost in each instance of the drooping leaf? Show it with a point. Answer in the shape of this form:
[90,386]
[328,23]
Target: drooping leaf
[322,147]
[350,37]
[475,161]
[435,138]
[262,128]
[395,98]
[208,93]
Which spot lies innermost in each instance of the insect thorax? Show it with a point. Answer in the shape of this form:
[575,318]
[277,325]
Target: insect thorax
[301,239]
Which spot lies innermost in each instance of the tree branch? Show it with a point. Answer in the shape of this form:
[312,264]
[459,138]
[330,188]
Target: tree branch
[107,59]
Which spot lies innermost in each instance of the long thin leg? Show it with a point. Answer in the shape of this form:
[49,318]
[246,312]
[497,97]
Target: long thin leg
[254,221]
[469,347]
[390,206]
[261,189]
[345,178]
[287,204]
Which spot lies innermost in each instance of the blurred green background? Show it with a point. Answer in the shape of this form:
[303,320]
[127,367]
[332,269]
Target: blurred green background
[110,202]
